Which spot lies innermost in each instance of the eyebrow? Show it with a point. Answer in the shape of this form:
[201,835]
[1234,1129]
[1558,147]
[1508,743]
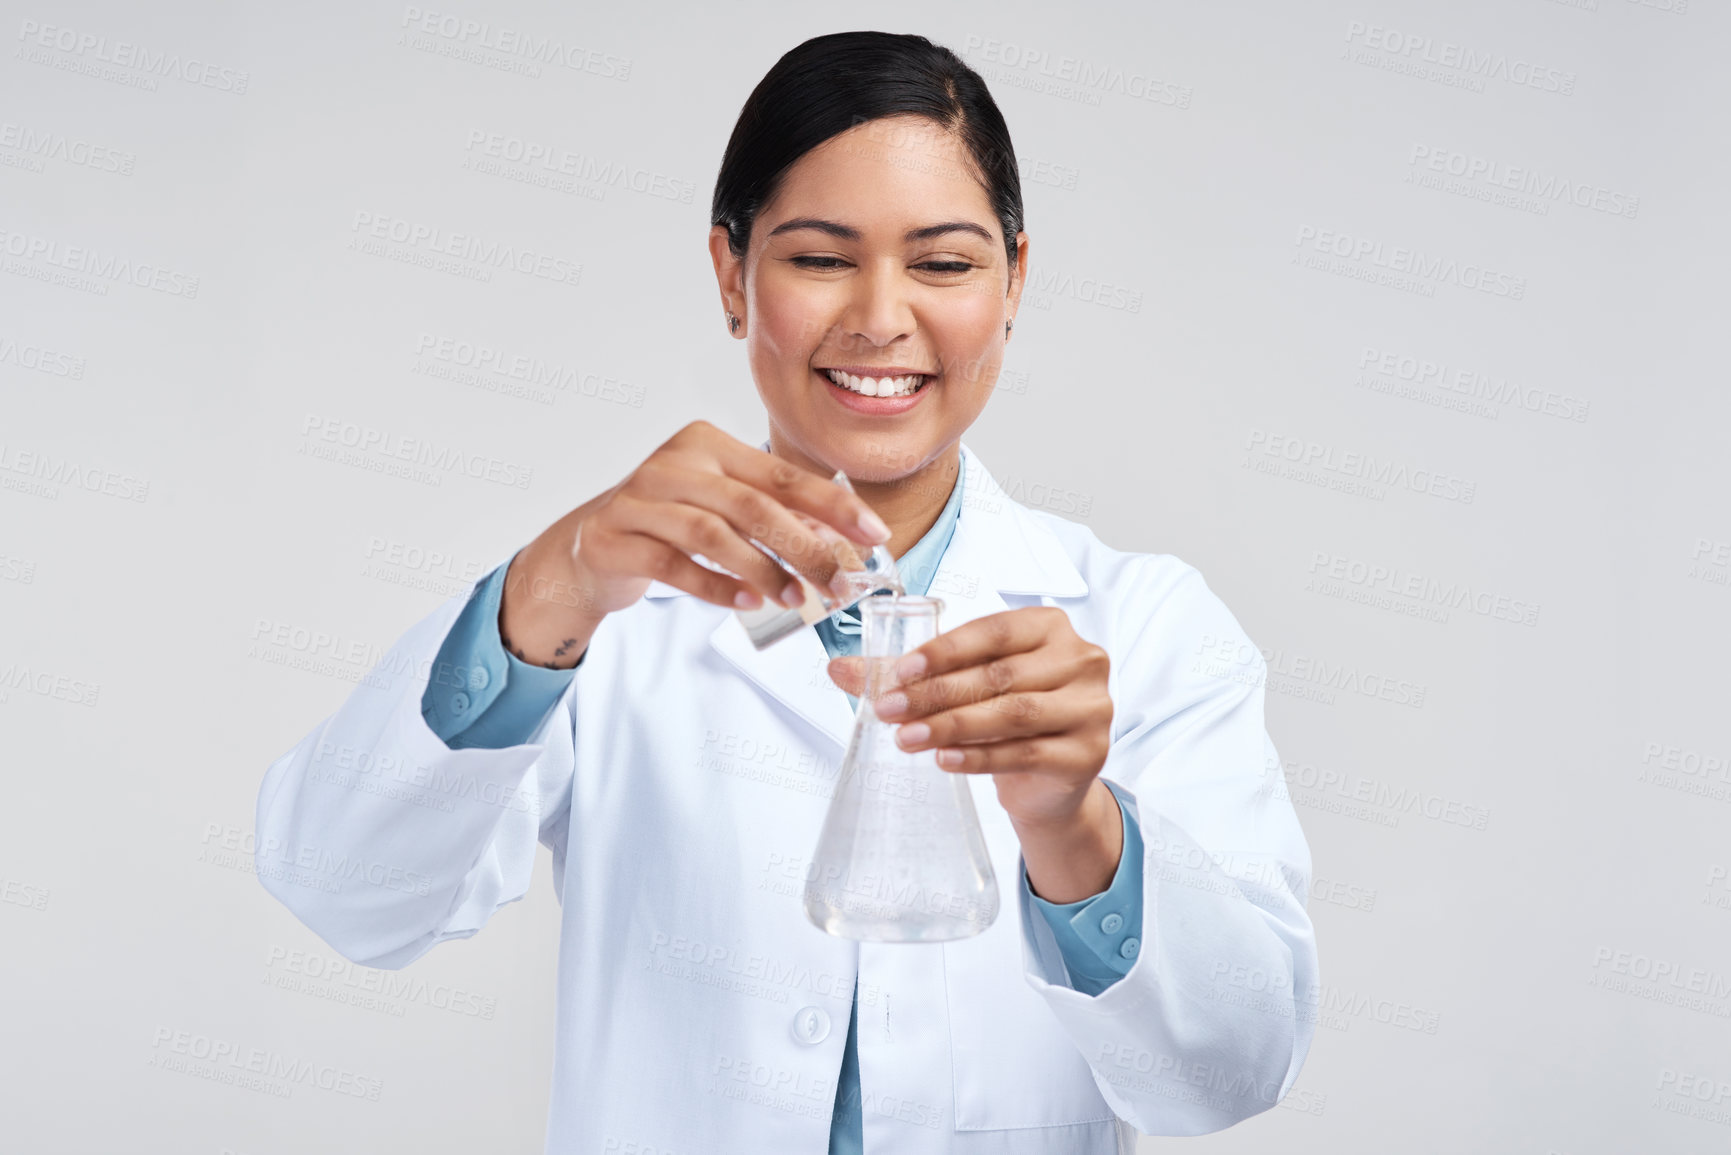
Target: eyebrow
[849,233]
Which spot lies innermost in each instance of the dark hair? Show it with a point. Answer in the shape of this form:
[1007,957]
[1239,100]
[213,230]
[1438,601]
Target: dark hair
[831,83]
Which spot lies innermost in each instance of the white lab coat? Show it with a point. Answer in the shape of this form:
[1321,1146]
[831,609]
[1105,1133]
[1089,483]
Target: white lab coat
[681,783]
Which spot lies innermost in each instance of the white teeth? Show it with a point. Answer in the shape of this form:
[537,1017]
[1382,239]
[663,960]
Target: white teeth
[875,386]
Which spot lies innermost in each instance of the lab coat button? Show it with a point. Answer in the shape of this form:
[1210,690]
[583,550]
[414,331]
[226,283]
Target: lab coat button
[478,678]
[1112,922]
[811,1025]
[459,702]
[1129,947]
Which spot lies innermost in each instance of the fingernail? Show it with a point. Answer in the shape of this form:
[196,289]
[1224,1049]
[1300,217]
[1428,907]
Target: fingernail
[913,733]
[949,757]
[910,667]
[892,704]
[793,596]
[747,599]
[874,526]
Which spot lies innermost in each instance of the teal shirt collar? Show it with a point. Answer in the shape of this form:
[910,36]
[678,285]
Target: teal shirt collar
[918,566]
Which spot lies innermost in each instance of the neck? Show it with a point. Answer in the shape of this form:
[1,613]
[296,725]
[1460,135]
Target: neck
[909,504]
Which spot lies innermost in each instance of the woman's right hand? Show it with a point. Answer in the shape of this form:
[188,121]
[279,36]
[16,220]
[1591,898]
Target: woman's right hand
[701,492]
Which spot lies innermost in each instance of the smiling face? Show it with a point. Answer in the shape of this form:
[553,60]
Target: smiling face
[880,255]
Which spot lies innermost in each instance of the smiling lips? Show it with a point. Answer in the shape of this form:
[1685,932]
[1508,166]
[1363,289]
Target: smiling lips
[892,381]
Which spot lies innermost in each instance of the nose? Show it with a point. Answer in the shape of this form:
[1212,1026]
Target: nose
[879,310]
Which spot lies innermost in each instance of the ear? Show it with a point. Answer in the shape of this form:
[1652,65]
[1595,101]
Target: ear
[729,273]
[1018,275]
[849,674]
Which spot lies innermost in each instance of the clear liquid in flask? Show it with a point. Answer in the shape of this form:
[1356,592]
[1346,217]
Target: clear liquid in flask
[901,857]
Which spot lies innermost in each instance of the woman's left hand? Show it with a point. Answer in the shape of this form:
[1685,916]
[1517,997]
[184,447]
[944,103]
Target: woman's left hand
[1015,694]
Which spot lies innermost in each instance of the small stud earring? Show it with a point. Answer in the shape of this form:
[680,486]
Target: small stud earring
[732,323]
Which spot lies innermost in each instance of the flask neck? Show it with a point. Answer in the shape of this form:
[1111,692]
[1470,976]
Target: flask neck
[893,626]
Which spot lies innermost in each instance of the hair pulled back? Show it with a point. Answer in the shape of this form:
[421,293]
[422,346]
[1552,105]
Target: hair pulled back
[834,82]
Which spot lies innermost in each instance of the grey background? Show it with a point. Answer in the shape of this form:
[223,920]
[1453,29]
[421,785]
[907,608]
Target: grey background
[186,587]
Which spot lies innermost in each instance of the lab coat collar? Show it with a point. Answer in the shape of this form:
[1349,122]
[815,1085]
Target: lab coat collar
[999,547]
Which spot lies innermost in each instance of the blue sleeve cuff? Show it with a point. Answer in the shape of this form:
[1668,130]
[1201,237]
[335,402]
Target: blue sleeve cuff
[1101,936]
[478,695]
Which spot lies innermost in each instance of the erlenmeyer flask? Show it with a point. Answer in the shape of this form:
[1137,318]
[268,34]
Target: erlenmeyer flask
[901,857]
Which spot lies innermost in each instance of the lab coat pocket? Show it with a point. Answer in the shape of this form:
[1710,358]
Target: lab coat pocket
[1012,1064]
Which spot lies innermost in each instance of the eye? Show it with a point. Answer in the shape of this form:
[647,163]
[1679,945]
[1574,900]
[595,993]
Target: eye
[948,267]
[817,262]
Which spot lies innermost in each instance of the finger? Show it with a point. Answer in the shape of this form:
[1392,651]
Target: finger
[692,529]
[1038,669]
[981,640]
[833,559]
[800,543]
[803,490]
[848,673]
[999,719]
[1046,753]
[652,557]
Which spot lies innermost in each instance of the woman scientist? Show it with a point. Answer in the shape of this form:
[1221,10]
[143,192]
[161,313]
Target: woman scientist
[597,693]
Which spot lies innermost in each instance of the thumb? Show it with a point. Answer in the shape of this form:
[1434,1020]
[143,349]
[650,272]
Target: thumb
[848,673]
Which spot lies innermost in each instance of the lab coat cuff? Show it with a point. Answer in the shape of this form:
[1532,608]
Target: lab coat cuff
[418,723]
[1100,936]
[1045,963]
[477,690]
[467,675]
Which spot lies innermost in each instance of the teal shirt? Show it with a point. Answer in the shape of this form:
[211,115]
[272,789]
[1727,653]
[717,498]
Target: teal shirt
[480,695]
